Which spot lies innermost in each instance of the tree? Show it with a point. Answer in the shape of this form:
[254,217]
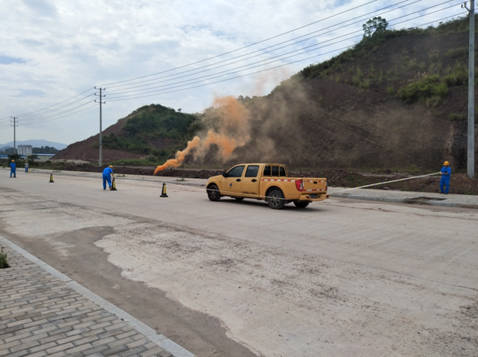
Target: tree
[374,25]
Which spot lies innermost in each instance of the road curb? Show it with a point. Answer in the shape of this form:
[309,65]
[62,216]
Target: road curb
[159,339]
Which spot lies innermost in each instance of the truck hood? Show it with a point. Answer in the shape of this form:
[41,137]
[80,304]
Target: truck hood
[215,178]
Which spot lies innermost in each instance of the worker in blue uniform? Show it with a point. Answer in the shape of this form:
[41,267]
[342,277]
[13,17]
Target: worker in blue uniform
[107,172]
[445,177]
[13,169]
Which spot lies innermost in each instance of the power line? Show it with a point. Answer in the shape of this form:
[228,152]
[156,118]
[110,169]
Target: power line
[51,106]
[67,115]
[60,109]
[261,52]
[251,73]
[229,72]
[223,80]
[254,64]
[111,83]
[59,114]
[161,89]
[74,105]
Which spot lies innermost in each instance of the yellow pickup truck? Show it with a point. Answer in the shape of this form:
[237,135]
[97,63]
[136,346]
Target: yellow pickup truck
[269,182]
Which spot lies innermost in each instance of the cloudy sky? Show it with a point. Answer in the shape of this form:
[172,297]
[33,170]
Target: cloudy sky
[178,53]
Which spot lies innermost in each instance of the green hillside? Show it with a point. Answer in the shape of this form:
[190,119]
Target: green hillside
[147,136]
[155,131]
[414,65]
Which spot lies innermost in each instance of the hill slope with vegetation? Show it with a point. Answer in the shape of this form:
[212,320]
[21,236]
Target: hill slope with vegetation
[397,100]
[146,136]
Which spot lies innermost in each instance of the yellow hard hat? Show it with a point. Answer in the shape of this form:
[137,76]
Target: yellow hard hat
[13,160]
[446,163]
[111,166]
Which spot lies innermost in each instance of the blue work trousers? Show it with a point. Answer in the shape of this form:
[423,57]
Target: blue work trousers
[13,173]
[106,178]
[444,185]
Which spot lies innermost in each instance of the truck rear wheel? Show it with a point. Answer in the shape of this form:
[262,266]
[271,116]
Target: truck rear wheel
[301,204]
[213,192]
[275,198]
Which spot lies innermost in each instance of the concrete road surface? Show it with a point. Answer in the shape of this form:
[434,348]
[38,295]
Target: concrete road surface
[228,278]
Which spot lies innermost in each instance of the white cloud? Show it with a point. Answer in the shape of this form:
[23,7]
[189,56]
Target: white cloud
[53,50]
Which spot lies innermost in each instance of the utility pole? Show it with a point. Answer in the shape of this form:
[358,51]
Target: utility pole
[14,123]
[470,163]
[101,95]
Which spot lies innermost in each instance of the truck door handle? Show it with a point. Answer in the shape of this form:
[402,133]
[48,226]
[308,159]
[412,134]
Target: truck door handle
[254,180]
[238,180]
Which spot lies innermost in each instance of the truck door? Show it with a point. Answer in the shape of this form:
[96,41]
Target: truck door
[250,181]
[232,181]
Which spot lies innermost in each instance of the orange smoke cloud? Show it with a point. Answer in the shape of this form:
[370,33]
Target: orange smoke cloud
[233,115]
[226,144]
[180,156]
[229,128]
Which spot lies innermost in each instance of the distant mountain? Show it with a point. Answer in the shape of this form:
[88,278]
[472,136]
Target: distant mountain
[35,143]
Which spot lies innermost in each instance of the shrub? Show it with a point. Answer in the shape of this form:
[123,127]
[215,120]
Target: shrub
[457,77]
[460,52]
[457,116]
[429,87]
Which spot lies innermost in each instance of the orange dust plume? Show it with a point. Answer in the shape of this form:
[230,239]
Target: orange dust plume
[233,115]
[180,156]
[226,126]
[225,143]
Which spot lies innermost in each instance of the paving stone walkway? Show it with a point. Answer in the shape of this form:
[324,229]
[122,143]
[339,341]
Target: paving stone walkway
[40,315]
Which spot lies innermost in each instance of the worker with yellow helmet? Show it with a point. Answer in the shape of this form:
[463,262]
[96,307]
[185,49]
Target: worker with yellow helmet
[107,172]
[445,177]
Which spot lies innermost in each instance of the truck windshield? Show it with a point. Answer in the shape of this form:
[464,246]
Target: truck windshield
[235,171]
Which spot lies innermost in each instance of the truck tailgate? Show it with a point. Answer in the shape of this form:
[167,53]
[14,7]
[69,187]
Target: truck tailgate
[318,185]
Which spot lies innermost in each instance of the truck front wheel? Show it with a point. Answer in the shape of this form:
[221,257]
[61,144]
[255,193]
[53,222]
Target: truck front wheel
[213,192]
[301,204]
[275,198]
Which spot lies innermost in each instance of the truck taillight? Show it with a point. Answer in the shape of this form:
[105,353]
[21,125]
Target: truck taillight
[299,184]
